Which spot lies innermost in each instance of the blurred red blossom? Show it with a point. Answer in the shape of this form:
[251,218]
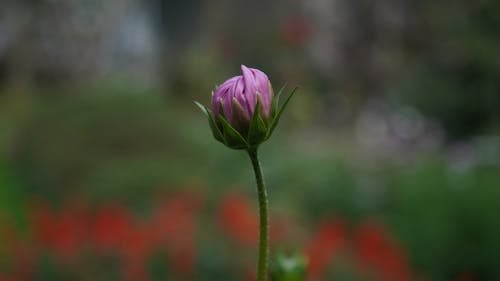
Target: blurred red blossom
[109,228]
[375,253]
[238,219]
[182,257]
[135,271]
[171,228]
[20,248]
[175,216]
[138,244]
[325,244]
[113,229]
[175,226]
[61,233]
[380,254]
[24,260]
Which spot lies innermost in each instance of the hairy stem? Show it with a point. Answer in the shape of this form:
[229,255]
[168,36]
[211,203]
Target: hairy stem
[262,266]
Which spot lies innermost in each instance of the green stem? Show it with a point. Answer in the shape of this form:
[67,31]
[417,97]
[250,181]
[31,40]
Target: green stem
[263,214]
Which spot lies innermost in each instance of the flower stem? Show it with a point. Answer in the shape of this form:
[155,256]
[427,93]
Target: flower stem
[263,214]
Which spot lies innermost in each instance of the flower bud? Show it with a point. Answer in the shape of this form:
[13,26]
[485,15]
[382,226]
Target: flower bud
[236,98]
[244,110]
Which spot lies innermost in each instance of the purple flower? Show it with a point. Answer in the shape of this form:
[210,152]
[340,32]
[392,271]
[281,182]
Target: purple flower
[244,110]
[237,97]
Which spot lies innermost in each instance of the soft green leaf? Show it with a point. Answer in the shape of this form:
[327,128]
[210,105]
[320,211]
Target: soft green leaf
[233,138]
[202,107]
[277,117]
[213,126]
[276,100]
[215,129]
[258,129]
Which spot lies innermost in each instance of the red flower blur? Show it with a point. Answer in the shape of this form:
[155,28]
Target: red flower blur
[109,228]
[379,254]
[21,250]
[375,253]
[171,229]
[239,220]
[182,257]
[175,217]
[326,243]
[135,249]
[61,234]
[175,226]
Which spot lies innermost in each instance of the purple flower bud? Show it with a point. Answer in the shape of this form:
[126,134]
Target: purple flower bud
[237,97]
[244,110]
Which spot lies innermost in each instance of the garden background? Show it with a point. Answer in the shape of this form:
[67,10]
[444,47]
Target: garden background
[386,165]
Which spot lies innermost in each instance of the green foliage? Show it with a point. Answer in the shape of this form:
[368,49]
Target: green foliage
[127,147]
[11,195]
[447,219]
[99,146]
[454,77]
[288,268]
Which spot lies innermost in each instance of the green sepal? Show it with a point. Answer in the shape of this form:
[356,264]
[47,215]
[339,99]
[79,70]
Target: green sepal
[215,129]
[258,128]
[277,117]
[202,108]
[213,126]
[232,138]
[276,101]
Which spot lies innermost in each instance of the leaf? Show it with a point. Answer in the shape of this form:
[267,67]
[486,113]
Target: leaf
[276,100]
[202,107]
[213,126]
[258,129]
[276,119]
[215,129]
[233,138]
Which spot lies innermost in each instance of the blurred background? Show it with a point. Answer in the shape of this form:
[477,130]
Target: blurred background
[386,165]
